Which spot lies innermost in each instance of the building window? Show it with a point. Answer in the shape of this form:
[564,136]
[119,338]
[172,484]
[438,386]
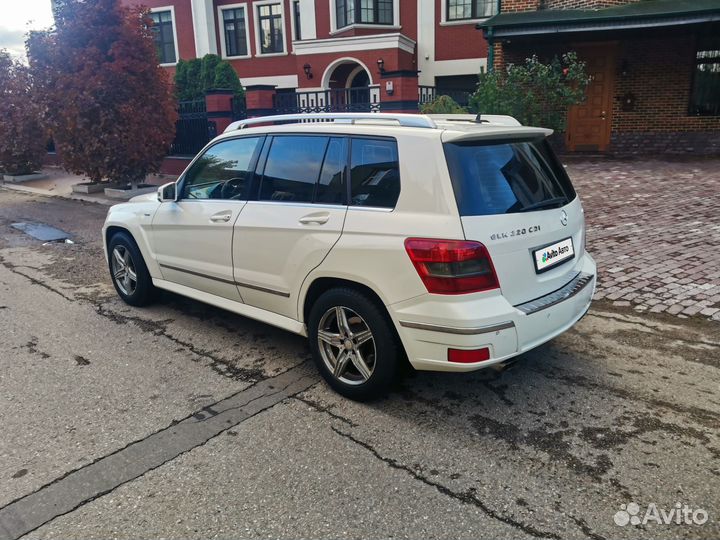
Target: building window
[235,27]
[164,36]
[296,19]
[271,29]
[349,12]
[705,98]
[459,10]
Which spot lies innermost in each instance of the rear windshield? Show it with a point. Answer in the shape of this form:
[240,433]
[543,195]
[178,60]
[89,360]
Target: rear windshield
[504,178]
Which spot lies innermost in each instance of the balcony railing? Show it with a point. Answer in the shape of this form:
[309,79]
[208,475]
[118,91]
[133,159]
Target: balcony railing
[331,100]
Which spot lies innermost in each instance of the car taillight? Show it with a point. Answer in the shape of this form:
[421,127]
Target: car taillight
[452,266]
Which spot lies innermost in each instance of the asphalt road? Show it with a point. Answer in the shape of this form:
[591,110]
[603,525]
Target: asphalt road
[184,421]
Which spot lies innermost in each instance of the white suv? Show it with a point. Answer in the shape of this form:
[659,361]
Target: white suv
[453,241]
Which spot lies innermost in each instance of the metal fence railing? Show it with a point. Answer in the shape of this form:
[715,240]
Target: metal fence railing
[192,129]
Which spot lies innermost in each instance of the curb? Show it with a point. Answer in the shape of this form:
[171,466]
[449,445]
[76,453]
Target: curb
[73,196]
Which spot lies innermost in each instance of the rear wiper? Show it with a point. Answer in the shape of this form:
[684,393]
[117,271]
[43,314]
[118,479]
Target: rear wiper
[554,202]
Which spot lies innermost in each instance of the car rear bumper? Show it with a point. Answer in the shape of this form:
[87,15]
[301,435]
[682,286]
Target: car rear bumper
[431,324]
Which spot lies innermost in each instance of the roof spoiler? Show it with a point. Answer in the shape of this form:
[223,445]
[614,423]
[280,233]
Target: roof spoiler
[496,119]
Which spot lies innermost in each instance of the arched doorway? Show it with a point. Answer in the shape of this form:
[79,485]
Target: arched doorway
[348,83]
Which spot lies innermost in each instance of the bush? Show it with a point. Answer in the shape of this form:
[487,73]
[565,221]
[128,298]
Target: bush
[22,138]
[107,102]
[226,78]
[443,105]
[193,78]
[536,94]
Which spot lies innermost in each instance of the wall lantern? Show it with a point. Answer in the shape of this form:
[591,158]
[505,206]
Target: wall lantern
[381,65]
[307,68]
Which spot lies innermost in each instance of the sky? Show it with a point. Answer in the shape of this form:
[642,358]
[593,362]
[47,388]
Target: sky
[19,16]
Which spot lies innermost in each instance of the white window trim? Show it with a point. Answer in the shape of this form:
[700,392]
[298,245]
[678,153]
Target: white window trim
[292,21]
[171,9]
[355,43]
[455,22]
[394,26]
[256,26]
[221,27]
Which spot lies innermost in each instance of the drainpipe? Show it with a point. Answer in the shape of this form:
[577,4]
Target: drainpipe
[491,42]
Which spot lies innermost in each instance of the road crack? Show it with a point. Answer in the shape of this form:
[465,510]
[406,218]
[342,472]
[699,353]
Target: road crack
[465,497]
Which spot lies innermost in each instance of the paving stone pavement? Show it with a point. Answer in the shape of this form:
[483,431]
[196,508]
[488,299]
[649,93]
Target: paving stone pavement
[654,230]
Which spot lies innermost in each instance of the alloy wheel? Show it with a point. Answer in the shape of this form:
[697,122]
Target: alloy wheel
[123,270]
[346,345]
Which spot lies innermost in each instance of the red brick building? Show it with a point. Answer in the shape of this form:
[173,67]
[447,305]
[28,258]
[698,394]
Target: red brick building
[376,51]
[655,63]
[655,67]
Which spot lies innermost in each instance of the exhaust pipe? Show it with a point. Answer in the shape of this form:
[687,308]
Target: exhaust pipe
[502,367]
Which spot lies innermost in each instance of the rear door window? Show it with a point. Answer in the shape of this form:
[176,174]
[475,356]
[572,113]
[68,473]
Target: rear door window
[331,186]
[292,168]
[504,178]
[374,173]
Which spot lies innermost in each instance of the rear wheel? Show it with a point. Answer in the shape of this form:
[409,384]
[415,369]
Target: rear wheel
[353,343]
[129,273]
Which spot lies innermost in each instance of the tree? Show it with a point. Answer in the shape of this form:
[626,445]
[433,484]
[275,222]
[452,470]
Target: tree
[106,101]
[443,105]
[194,78]
[22,137]
[535,93]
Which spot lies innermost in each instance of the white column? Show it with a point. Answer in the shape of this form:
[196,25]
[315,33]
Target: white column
[204,27]
[307,19]
[426,41]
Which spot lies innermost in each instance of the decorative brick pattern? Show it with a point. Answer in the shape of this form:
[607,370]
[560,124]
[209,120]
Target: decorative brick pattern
[582,4]
[532,5]
[519,5]
[654,230]
[695,143]
[658,72]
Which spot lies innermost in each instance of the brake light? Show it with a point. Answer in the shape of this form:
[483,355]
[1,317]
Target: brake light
[452,266]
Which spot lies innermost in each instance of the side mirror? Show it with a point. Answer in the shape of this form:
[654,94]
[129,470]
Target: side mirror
[167,192]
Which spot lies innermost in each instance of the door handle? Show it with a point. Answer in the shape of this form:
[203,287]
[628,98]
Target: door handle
[222,217]
[319,218]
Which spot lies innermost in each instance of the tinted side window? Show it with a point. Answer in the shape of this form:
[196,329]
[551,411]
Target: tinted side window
[331,187]
[374,176]
[504,178]
[225,171]
[292,168]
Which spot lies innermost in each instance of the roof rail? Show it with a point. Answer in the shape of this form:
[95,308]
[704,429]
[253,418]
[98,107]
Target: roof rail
[405,120]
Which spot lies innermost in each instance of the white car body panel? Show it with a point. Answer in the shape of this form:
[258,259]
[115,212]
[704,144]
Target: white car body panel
[262,261]
[511,240]
[191,240]
[275,247]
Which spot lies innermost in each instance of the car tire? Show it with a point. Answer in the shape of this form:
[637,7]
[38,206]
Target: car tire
[353,343]
[124,262]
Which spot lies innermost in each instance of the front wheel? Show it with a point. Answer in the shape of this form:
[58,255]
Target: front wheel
[353,343]
[129,273]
